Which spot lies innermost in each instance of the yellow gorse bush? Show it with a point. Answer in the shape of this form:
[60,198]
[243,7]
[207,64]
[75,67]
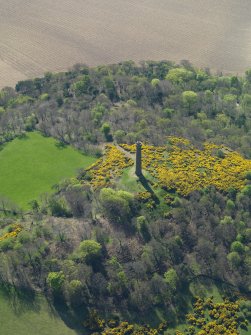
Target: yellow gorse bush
[114,327]
[109,166]
[224,317]
[125,328]
[206,318]
[17,228]
[182,167]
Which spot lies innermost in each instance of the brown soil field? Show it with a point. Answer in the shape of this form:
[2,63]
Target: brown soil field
[38,36]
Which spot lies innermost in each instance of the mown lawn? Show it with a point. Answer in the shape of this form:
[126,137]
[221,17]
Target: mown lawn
[31,165]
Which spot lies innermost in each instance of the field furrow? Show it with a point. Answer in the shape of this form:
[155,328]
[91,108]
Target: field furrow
[36,36]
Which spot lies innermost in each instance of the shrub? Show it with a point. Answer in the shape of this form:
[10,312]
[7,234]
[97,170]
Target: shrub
[89,250]
[117,205]
[171,278]
[55,280]
[234,259]
[237,247]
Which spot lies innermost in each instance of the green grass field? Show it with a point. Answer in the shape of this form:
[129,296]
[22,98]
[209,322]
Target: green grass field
[24,317]
[31,165]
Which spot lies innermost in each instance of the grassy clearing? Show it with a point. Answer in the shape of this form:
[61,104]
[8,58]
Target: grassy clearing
[129,181]
[26,317]
[31,165]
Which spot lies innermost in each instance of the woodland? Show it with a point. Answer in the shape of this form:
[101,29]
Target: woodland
[112,247]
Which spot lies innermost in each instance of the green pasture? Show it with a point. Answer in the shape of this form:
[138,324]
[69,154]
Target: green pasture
[30,316]
[31,165]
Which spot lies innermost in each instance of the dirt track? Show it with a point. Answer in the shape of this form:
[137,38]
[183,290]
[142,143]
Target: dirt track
[38,36]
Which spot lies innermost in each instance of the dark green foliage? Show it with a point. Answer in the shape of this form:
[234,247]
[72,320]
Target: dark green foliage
[58,207]
[106,128]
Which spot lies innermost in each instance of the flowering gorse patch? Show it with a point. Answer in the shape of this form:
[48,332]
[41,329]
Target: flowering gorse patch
[207,317]
[16,229]
[109,166]
[215,318]
[184,168]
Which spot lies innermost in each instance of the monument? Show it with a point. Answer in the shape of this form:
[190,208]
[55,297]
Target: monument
[138,159]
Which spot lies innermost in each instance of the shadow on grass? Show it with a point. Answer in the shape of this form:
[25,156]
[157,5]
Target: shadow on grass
[23,136]
[145,183]
[60,145]
[73,318]
[20,300]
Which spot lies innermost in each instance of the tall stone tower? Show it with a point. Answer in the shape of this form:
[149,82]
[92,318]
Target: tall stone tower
[138,159]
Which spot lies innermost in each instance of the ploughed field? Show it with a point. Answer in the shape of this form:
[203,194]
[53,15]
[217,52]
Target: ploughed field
[30,166]
[39,36]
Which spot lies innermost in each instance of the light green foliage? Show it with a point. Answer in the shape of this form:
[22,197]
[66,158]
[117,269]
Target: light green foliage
[20,100]
[141,220]
[6,244]
[178,75]
[116,204]
[230,98]
[24,237]
[119,135]
[240,238]
[44,97]
[106,128]
[89,250]
[202,116]
[246,190]
[32,165]
[82,86]
[223,120]
[247,234]
[201,75]
[237,247]
[230,205]
[189,98]
[226,220]
[109,86]
[155,82]
[122,277]
[75,286]
[171,278]
[131,103]
[58,207]
[30,122]
[234,258]
[97,113]
[168,112]
[56,280]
